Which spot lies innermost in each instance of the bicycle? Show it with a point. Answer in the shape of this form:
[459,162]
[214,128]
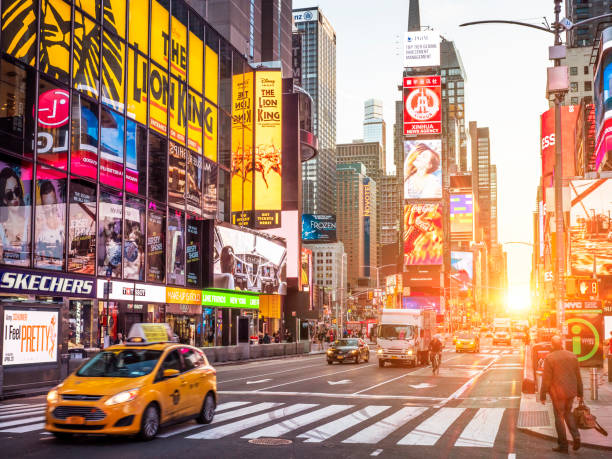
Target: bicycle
[435,363]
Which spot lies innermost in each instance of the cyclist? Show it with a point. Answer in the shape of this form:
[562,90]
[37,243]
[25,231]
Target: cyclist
[435,351]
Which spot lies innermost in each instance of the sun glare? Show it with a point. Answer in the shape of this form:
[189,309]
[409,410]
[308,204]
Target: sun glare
[518,300]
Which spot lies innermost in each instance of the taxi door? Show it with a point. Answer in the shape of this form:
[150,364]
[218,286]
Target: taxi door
[173,390]
[195,378]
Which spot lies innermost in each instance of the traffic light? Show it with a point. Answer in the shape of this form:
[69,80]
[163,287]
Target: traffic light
[576,287]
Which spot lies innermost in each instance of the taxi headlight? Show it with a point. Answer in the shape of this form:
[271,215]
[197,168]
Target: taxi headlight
[354,351]
[330,351]
[380,351]
[409,352]
[122,397]
[52,396]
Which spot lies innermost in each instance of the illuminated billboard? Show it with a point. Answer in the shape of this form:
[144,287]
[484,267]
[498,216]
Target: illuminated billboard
[590,229]
[318,227]
[422,105]
[462,269]
[423,238]
[421,302]
[245,260]
[306,277]
[423,169]
[461,213]
[422,49]
[569,116]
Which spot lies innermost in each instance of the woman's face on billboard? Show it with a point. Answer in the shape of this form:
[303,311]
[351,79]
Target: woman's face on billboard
[12,192]
[422,161]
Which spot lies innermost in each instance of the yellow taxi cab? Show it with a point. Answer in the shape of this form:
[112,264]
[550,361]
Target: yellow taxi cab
[467,341]
[134,389]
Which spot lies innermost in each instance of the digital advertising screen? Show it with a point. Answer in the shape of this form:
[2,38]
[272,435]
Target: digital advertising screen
[421,302]
[317,227]
[462,269]
[461,213]
[422,105]
[423,238]
[590,233]
[423,169]
[244,260]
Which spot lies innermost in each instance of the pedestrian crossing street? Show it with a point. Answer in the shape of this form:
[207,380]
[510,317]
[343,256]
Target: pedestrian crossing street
[314,423]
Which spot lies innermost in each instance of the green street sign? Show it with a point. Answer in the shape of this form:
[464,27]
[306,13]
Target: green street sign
[229,299]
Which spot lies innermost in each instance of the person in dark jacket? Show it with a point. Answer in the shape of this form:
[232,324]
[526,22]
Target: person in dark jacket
[562,381]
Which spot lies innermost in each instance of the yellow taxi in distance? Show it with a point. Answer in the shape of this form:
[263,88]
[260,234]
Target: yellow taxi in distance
[467,341]
[133,389]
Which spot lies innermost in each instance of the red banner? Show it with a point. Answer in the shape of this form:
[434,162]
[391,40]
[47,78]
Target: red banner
[569,116]
[422,105]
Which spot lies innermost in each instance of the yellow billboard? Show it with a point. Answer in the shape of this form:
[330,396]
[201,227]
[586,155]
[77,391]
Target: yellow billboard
[210,125]
[114,16]
[176,48]
[159,33]
[242,149]
[55,47]
[139,15]
[113,71]
[211,77]
[178,110]
[268,148]
[137,87]
[196,62]
[158,106]
[195,118]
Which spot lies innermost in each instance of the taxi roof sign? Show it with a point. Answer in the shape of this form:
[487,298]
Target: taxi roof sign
[150,333]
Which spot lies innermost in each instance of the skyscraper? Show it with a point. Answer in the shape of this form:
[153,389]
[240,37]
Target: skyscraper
[319,80]
[374,126]
[579,10]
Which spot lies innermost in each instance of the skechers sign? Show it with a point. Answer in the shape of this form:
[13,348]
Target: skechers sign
[317,227]
[45,284]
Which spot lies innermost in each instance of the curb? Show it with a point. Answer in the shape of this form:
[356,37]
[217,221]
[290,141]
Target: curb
[550,437]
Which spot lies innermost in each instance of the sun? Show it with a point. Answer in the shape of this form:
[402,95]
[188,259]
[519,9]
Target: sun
[518,299]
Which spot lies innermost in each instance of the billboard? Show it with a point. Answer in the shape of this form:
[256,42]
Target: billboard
[421,302]
[423,238]
[318,227]
[244,260]
[421,276]
[585,325]
[590,228]
[461,213]
[462,269]
[268,148]
[422,49]
[423,169]
[306,269]
[569,116]
[29,337]
[422,105]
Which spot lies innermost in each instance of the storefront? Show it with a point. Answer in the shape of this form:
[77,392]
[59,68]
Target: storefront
[229,312]
[45,317]
[125,304]
[184,314]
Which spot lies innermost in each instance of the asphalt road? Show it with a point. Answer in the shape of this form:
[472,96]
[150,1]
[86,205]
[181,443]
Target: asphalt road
[469,410]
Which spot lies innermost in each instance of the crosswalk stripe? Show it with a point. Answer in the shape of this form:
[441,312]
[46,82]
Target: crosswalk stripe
[20,408]
[23,429]
[229,405]
[22,414]
[482,429]
[378,431]
[332,428]
[284,427]
[244,411]
[495,351]
[429,431]
[238,426]
[22,421]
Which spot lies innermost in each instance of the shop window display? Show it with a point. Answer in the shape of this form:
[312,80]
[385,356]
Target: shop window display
[193,253]
[81,325]
[109,234]
[82,227]
[15,212]
[50,226]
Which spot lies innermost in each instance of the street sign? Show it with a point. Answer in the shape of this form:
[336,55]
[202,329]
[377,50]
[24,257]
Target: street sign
[585,331]
[581,287]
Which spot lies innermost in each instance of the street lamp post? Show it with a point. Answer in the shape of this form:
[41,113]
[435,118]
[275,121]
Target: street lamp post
[557,52]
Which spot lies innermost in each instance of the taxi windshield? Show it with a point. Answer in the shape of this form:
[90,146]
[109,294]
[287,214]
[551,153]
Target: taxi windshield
[125,363]
[465,335]
[346,342]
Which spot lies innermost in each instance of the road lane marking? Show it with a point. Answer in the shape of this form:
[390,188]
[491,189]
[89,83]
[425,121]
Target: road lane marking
[332,428]
[511,456]
[376,452]
[429,431]
[344,381]
[259,364]
[278,430]
[22,421]
[258,382]
[315,377]
[268,374]
[378,431]
[482,429]
[495,351]
[23,429]
[238,426]
[332,395]
[421,385]
[230,405]
[220,418]
[468,384]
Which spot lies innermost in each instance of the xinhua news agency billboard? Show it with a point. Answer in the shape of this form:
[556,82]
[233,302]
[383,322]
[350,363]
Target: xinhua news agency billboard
[422,105]
[318,227]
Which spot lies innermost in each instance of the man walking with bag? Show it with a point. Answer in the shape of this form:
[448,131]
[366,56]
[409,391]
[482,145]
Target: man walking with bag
[562,380]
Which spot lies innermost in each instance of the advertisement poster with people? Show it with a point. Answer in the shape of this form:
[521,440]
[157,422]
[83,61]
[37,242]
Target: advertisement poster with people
[50,228]
[15,212]
[422,169]
[423,238]
[82,227]
[134,241]
[109,235]
[591,227]
[247,261]
[462,270]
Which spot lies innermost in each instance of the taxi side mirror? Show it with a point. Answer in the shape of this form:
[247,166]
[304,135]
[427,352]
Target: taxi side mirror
[170,373]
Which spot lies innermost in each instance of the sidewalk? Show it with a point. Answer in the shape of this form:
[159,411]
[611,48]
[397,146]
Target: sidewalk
[540,420]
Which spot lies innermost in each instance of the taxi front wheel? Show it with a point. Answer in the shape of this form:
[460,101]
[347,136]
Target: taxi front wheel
[149,426]
[208,410]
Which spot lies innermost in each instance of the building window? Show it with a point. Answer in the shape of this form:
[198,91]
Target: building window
[573,71]
[574,87]
[574,101]
[586,69]
[588,86]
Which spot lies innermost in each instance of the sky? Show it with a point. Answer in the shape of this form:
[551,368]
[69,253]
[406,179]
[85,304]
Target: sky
[505,90]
